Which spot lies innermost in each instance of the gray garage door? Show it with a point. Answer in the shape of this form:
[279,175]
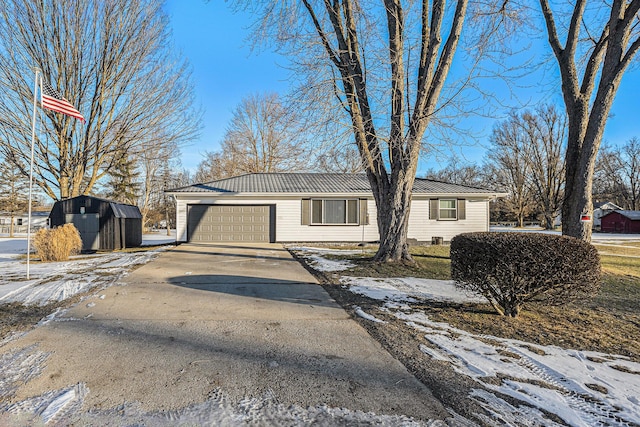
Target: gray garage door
[229,223]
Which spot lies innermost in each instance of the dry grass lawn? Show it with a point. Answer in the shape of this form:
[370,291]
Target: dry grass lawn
[609,322]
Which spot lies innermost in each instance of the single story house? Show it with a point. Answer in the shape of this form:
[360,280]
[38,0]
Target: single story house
[621,222]
[600,209]
[319,207]
[20,220]
[103,224]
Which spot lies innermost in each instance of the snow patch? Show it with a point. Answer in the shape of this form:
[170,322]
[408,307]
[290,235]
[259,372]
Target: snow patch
[554,379]
[360,312]
[409,289]
[52,407]
[316,257]
[583,388]
[57,281]
[18,367]
[63,407]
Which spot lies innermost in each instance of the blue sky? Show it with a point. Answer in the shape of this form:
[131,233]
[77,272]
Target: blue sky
[225,70]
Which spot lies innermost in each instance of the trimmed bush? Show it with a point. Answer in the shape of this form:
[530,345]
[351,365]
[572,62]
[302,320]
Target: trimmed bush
[57,244]
[510,269]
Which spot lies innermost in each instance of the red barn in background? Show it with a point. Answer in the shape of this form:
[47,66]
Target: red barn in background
[621,222]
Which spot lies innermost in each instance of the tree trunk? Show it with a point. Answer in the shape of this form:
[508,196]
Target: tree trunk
[578,199]
[588,95]
[64,187]
[548,220]
[166,218]
[11,227]
[393,221]
[513,311]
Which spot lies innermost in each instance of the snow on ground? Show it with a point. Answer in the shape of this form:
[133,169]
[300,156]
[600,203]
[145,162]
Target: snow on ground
[56,281]
[60,280]
[584,388]
[61,407]
[408,289]
[316,257]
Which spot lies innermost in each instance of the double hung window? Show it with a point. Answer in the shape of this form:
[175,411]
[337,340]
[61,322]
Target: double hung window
[334,211]
[448,209]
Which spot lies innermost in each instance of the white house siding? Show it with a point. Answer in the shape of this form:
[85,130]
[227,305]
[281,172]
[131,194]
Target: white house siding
[423,229]
[289,226]
[20,221]
[288,219]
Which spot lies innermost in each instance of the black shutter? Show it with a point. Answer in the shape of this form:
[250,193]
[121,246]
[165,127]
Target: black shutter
[462,209]
[364,215]
[306,212]
[433,208]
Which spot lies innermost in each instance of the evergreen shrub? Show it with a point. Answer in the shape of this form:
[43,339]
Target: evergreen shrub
[510,269]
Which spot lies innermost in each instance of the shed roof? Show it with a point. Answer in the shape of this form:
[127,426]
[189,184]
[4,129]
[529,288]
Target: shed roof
[306,183]
[632,215]
[125,211]
[120,210]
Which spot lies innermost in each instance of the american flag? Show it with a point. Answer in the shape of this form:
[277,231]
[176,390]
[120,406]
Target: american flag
[52,100]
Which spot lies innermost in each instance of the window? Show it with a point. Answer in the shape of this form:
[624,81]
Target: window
[448,209]
[334,211]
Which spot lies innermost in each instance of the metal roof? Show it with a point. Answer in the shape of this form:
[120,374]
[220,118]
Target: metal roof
[306,183]
[606,206]
[632,215]
[125,211]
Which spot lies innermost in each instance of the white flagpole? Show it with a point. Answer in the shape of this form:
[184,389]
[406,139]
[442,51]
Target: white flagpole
[33,138]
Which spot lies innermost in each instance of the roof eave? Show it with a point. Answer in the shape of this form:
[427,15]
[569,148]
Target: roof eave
[367,194]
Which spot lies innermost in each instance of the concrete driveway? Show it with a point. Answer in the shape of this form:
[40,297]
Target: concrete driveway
[247,320]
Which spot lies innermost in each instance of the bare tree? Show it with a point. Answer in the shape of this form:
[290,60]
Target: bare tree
[340,159]
[618,174]
[607,181]
[111,60]
[154,163]
[215,165]
[546,142]
[600,42]
[509,166]
[458,172]
[526,158]
[14,189]
[264,135]
[386,63]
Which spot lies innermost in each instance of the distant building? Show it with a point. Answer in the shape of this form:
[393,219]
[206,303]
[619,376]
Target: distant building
[600,209]
[21,219]
[621,221]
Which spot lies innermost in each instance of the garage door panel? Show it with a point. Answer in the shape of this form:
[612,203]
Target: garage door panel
[229,223]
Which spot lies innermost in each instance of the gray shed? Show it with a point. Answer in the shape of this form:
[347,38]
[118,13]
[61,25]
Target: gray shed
[103,224]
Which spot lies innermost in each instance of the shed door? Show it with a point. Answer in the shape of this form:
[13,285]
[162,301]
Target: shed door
[229,223]
[88,226]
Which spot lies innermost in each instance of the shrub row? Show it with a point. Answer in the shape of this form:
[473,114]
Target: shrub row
[57,244]
[510,269]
